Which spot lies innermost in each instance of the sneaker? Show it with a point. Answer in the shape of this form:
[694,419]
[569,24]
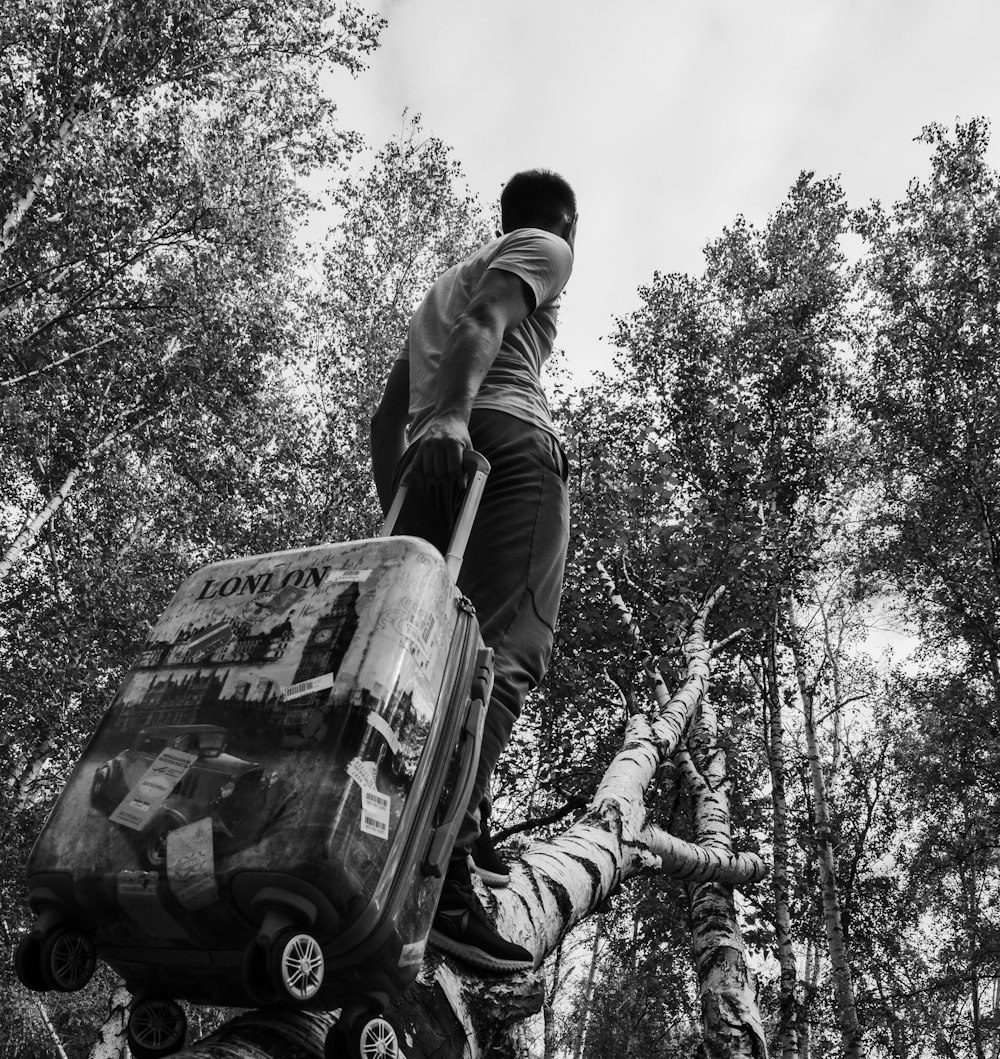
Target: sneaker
[462,929]
[486,861]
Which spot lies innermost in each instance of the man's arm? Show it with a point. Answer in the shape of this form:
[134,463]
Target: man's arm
[500,302]
[388,430]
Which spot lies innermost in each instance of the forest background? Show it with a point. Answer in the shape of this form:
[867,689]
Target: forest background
[810,419]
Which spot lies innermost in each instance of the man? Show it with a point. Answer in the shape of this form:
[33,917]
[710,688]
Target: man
[469,377]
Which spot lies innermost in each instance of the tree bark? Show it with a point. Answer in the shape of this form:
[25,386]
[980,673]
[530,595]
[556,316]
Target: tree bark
[731,1022]
[111,1043]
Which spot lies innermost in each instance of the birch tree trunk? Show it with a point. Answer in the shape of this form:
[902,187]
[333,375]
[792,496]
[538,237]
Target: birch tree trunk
[548,1008]
[451,1011]
[36,1002]
[28,533]
[970,884]
[809,984]
[787,1007]
[110,1043]
[995,1049]
[730,1019]
[588,992]
[900,1043]
[847,1016]
[22,203]
[34,525]
[50,1030]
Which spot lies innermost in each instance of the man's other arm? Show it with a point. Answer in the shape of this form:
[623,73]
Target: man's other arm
[500,302]
[388,430]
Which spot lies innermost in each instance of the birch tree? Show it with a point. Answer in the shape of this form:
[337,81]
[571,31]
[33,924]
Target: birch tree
[833,912]
[741,365]
[150,178]
[150,149]
[930,399]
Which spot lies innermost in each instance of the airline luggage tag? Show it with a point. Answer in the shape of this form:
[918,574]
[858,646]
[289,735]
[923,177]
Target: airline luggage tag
[154,787]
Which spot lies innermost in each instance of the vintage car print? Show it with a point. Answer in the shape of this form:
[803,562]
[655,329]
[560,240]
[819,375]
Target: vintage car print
[227,788]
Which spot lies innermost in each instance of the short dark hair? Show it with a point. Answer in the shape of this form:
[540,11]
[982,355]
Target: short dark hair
[536,198]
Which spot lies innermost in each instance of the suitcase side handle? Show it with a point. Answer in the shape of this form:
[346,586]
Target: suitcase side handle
[443,839]
[477,467]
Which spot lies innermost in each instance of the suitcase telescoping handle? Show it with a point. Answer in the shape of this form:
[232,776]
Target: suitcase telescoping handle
[477,467]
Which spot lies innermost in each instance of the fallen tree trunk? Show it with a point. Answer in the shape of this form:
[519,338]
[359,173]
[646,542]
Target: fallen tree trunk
[453,1011]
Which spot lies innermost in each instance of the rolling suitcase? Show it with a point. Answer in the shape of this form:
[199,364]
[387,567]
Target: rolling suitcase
[266,812]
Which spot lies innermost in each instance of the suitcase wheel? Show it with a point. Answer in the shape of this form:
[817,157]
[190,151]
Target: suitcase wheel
[28,964]
[156,1026]
[297,965]
[64,960]
[68,959]
[368,1036]
[257,975]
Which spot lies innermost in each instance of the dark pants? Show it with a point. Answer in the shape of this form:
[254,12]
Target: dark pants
[513,567]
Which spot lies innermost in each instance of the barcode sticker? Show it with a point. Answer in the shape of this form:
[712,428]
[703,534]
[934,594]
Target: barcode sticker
[307,687]
[375,813]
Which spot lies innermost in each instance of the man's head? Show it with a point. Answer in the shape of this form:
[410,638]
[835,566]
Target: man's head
[538,198]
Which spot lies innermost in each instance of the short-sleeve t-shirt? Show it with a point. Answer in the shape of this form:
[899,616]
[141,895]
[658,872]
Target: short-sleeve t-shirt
[513,384]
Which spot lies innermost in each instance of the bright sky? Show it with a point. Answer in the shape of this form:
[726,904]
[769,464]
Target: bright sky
[669,118]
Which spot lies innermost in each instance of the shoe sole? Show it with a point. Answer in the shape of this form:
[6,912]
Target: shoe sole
[491,878]
[476,957]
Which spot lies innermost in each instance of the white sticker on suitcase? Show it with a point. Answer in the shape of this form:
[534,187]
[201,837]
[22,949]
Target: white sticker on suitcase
[362,772]
[154,787]
[375,813]
[381,725]
[342,576]
[411,953]
[307,687]
[191,864]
